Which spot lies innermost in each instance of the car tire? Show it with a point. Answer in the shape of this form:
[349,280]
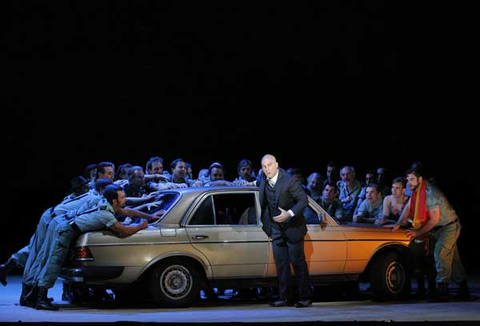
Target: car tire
[175,284]
[389,277]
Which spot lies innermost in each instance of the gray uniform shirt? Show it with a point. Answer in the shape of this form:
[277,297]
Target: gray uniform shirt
[97,218]
[70,204]
[435,198]
[372,210]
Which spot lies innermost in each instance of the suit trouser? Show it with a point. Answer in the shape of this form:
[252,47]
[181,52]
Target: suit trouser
[285,253]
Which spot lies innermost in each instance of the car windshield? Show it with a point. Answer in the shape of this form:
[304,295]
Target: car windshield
[163,202]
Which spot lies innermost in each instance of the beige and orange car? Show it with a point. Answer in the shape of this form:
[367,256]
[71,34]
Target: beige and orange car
[212,237]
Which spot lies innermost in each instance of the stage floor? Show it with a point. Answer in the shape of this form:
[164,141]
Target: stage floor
[326,308]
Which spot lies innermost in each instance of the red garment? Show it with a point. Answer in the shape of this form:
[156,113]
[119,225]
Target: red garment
[418,210]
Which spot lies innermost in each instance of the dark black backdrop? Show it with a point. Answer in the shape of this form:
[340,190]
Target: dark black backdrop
[363,83]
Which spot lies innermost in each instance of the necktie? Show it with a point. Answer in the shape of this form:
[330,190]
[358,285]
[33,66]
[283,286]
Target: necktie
[272,184]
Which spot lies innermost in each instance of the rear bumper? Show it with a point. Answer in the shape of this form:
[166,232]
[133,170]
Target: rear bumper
[91,274]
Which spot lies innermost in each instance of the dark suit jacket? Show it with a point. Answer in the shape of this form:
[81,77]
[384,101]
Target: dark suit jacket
[289,194]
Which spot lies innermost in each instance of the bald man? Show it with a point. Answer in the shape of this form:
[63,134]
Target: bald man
[283,200]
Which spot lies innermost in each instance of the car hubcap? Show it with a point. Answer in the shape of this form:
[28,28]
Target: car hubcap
[395,277]
[176,282]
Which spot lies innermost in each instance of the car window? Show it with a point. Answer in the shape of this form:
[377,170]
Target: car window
[163,202]
[235,209]
[226,209]
[204,214]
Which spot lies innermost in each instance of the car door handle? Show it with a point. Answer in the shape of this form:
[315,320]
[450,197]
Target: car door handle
[200,237]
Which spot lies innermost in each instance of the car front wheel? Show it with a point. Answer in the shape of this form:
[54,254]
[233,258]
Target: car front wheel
[175,284]
[389,277]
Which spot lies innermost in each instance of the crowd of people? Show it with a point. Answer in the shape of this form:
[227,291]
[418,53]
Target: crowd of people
[116,199]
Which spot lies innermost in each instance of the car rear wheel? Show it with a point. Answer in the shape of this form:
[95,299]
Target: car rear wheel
[389,277]
[175,284]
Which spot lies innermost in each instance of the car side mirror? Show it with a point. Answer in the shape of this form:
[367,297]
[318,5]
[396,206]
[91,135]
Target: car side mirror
[323,225]
[321,218]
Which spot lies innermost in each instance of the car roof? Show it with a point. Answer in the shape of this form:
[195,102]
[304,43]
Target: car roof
[189,195]
[216,188]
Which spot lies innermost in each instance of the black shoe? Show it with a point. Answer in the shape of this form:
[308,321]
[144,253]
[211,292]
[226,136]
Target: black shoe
[28,298]
[464,293]
[280,303]
[5,270]
[3,274]
[42,301]
[438,297]
[303,303]
[463,296]
[419,295]
[442,293]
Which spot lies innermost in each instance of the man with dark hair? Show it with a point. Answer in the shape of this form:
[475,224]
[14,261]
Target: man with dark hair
[245,171]
[315,182]
[62,231]
[432,214]
[283,200]
[216,174]
[332,172]
[394,204]
[371,208]
[329,201]
[178,168]
[154,171]
[90,172]
[105,170]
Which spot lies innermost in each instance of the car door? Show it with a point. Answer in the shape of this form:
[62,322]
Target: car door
[325,244]
[225,227]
